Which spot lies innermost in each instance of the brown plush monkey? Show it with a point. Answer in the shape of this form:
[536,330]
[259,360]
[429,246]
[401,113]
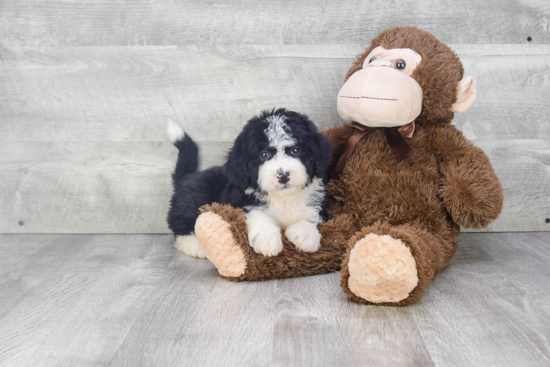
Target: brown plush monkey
[404,180]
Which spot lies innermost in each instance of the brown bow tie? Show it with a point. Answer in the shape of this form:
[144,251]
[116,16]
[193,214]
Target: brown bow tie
[394,136]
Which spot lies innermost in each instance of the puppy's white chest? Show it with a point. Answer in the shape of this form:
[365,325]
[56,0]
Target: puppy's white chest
[287,213]
[304,206]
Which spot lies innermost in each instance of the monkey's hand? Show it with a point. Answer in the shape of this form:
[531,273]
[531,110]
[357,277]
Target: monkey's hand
[469,186]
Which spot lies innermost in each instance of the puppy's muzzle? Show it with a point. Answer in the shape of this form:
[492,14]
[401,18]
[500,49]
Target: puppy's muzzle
[283,177]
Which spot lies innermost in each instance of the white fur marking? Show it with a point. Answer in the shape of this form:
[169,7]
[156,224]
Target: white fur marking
[278,132]
[304,235]
[174,132]
[303,205]
[264,235]
[190,246]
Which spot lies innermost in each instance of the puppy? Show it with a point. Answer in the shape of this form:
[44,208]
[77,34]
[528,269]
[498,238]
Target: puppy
[275,171]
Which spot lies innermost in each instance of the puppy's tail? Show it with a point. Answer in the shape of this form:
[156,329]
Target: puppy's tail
[188,157]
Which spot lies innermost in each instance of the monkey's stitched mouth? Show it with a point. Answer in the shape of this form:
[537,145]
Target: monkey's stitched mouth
[381,99]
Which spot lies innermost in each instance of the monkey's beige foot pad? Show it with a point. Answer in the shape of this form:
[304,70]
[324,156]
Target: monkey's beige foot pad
[382,269]
[219,245]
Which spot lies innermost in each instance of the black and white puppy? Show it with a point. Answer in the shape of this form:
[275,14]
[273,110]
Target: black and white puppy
[275,171]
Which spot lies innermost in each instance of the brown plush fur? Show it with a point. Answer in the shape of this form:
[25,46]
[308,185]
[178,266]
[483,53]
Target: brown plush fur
[290,262]
[422,201]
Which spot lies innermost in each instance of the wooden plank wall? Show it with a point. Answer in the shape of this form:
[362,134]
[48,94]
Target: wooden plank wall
[86,88]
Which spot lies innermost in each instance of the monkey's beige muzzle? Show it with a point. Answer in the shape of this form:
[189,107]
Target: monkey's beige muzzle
[380,96]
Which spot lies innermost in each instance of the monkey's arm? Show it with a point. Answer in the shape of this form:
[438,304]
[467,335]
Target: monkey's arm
[338,137]
[469,186]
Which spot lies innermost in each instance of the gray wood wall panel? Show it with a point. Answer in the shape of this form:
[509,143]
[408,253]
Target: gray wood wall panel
[89,187]
[86,89]
[83,128]
[127,93]
[124,187]
[123,22]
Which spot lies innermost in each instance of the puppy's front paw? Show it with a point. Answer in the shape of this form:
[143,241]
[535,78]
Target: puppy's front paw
[266,241]
[305,236]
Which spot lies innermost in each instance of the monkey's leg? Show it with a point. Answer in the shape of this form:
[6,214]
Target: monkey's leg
[223,235]
[393,266]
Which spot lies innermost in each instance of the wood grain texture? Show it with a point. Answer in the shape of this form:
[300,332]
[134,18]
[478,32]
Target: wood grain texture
[132,300]
[523,167]
[196,316]
[127,93]
[125,187]
[79,302]
[122,23]
[310,318]
[23,255]
[83,128]
[89,187]
[493,295]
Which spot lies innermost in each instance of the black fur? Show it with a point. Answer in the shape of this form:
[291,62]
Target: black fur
[227,184]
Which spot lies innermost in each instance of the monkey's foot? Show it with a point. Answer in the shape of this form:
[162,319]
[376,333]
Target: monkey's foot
[219,245]
[381,269]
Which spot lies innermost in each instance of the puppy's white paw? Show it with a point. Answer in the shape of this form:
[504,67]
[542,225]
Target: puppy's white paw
[266,241]
[190,246]
[305,236]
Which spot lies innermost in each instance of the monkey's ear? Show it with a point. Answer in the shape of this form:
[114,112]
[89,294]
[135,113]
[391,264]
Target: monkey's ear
[466,94]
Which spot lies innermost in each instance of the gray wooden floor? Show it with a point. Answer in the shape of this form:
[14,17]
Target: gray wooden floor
[132,300]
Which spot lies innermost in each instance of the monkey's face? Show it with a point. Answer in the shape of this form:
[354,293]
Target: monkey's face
[383,93]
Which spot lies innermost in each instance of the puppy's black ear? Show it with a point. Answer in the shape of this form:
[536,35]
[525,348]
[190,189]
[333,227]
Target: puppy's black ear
[236,167]
[322,154]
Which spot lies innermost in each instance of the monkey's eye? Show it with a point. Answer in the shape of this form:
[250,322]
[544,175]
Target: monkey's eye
[371,60]
[294,151]
[400,64]
[265,155]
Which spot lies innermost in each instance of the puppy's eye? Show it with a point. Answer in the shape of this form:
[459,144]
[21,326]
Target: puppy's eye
[265,155]
[371,60]
[400,64]
[295,151]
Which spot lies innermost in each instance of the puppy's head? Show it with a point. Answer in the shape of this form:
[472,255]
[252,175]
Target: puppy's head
[278,153]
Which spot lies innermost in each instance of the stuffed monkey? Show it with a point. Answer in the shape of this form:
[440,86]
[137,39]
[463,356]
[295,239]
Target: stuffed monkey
[404,180]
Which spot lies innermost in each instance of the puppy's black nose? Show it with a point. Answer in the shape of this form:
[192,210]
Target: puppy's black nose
[283,177]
